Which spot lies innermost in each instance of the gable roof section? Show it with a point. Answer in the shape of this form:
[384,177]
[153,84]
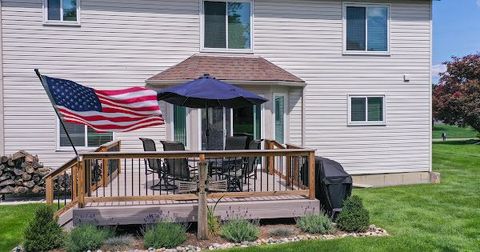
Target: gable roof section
[236,69]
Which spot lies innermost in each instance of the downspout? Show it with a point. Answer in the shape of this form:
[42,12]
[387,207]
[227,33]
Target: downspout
[303,117]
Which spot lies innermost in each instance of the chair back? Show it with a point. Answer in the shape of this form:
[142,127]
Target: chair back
[236,143]
[176,167]
[252,161]
[149,145]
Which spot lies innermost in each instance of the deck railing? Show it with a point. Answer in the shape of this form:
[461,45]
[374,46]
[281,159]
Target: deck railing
[112,176]
[64,185]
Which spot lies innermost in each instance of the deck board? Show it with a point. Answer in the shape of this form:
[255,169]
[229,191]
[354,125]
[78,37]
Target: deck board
[141,187]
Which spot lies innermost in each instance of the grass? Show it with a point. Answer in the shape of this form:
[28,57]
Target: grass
[443,217]
[13,220]
[453,131]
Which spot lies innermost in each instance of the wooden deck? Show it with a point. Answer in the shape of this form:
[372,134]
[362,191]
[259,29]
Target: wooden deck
[145,212]
[110,187]
[136,183]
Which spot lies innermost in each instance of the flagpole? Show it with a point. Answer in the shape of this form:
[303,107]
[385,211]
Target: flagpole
[56,111]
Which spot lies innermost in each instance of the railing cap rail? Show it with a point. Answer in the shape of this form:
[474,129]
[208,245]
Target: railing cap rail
[190,154]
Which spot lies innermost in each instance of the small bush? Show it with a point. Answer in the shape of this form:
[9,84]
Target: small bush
[119,242]
[239,230]
[212,220]
[43,233]
[86,237]
[164,235]
[354,217]
[282,232]
[315,224]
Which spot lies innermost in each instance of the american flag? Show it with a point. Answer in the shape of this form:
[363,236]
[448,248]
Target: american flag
[105,110]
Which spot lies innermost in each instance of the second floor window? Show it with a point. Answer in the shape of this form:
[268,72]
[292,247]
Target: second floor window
[227,25]
[62,10]
[366,28]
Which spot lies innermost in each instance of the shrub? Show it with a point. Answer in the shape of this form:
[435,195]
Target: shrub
[281,232]
[119,242]
[212,220]
[43,233]
[315,224]
[354,217]
[86,237]
[164,235]
[239,230]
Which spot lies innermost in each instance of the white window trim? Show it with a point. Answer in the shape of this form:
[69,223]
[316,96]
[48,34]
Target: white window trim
[344,20]
[69,148]
[367,123]
[285,119]
[171,122]
[60,22]
[226,50]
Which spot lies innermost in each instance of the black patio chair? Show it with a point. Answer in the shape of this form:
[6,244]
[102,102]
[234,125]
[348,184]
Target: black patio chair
[236,142]
[155,166]
[252,162]
[238,171]
[177,168]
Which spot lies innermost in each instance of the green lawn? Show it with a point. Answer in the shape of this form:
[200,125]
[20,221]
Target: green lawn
[13,219]
[443,217]
[453,131]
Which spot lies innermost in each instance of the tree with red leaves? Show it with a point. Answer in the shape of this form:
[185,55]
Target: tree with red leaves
[456,99]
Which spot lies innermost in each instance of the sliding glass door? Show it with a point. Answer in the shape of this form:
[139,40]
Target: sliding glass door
[224,122]
[247,121]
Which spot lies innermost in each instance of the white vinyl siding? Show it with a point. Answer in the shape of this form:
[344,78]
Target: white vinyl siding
[121,43]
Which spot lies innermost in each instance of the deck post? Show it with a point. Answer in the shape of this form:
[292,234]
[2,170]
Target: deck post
[202,232]
[82,184]
[311,175]
[104,169]
[49,190]
[74,185]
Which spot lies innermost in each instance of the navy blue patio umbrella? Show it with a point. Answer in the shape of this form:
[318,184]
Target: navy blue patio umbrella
[208,92]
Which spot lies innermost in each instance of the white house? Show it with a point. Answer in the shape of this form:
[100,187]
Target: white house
[350,79]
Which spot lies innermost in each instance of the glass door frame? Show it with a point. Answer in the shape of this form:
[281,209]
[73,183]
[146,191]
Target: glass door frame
[274,112]
[171,122]
[229,131]
[262,130]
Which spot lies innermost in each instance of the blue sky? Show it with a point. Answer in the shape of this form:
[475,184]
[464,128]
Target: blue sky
[456,30]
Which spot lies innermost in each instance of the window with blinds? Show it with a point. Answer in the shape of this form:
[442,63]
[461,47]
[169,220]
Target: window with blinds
[366,28]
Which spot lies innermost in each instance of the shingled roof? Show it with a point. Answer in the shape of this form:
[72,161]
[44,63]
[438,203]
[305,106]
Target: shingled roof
[232,68]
